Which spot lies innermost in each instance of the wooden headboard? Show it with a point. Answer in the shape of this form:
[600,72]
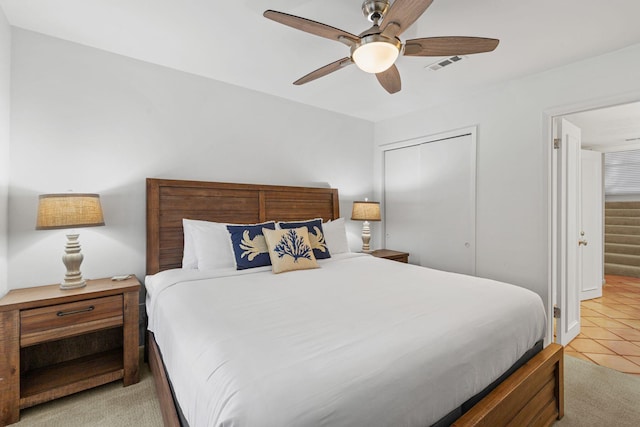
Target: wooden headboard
[169,201]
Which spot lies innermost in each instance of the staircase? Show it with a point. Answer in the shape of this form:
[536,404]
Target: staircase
[622,238]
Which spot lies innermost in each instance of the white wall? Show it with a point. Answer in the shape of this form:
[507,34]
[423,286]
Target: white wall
[513,155]
[5,118]
[91,121]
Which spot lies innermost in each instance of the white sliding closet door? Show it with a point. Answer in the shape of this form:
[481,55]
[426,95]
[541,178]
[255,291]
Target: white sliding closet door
[448,204]
[430,203]
[402,200]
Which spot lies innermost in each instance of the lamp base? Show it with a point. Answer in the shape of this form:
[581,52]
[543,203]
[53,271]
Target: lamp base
[72,259]
[366,237]
[73,283]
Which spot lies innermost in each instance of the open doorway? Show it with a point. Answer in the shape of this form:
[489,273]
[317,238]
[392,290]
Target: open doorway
[609,322]
[615,133]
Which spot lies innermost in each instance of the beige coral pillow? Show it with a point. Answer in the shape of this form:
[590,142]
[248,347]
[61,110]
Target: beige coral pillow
[289,249]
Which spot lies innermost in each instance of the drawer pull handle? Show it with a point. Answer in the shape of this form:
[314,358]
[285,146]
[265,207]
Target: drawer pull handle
[67,313]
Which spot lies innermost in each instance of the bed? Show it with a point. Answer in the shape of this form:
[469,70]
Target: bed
[224,351]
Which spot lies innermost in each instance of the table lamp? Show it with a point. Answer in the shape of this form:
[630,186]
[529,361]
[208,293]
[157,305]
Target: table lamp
[366,211]
[70,210]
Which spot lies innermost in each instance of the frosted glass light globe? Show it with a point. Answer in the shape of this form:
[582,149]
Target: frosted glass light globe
[375,57]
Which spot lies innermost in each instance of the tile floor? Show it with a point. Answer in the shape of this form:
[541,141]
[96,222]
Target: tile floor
[610,330]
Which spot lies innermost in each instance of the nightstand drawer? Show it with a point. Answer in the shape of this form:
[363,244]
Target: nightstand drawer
[64,320]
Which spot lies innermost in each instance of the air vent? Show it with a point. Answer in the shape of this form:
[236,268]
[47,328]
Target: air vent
[445,62]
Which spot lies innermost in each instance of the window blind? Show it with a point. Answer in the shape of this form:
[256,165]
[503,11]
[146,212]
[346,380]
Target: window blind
[622,173]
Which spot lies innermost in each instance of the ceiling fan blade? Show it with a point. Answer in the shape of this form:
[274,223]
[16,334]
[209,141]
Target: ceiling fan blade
[401,15]
[312,27]
[449,46]
[390,79]
[323,71]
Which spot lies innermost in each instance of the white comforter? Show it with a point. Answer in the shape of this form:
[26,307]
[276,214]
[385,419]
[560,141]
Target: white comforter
[360,341]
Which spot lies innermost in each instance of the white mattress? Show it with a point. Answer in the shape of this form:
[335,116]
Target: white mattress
[360,341]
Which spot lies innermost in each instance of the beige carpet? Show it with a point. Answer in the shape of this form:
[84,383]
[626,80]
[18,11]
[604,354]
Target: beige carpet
[594,396]
[110,405]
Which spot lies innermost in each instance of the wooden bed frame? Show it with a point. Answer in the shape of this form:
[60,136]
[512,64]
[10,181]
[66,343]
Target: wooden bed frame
[532,396]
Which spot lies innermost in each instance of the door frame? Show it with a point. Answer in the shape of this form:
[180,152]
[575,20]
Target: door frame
[455,133]
[548,116]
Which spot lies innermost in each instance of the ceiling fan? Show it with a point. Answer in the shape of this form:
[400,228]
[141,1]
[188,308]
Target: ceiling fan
[376,49]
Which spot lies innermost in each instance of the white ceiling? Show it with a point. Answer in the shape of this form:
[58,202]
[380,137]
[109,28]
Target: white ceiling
[231,41]
[614,128]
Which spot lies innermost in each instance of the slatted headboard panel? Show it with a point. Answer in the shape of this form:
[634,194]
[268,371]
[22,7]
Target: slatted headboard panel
[169,201]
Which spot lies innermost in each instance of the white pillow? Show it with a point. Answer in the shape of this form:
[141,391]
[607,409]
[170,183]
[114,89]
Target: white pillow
[335,236]
[211,244]
[189,259]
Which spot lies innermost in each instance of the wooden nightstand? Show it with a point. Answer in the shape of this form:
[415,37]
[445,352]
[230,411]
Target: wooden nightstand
[392,255]
[54,343]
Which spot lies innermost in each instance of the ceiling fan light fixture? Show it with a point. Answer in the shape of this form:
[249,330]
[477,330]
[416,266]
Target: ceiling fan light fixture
[376,49]
[376,54]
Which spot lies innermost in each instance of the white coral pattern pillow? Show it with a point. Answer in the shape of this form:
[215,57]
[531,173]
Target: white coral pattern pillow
[289,249]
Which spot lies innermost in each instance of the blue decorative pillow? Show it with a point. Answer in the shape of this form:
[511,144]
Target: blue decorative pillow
[316,235]
[249,247]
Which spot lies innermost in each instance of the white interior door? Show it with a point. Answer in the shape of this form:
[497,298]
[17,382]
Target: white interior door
[592,225]
[402,211]
[448,198]
[569,268]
